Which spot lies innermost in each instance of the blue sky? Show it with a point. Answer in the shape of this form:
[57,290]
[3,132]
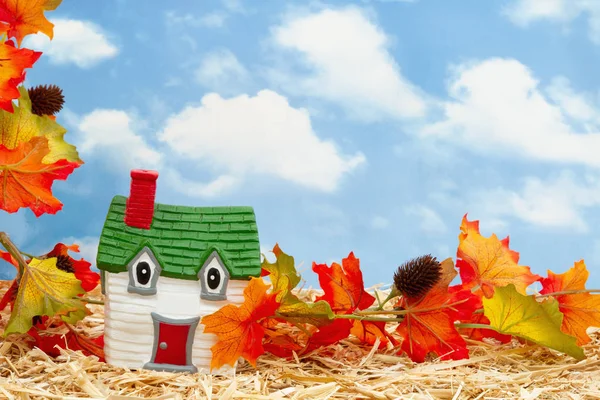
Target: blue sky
[365,126]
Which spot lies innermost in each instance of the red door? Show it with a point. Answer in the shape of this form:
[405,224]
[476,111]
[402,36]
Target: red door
[173,340]
[172,344]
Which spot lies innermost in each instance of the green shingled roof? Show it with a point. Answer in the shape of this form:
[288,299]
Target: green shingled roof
[182,238]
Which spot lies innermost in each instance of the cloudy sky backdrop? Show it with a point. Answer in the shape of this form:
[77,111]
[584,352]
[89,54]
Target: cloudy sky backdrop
[365,126]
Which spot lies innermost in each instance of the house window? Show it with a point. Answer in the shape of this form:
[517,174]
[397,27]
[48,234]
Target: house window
[213,277]
[144,270]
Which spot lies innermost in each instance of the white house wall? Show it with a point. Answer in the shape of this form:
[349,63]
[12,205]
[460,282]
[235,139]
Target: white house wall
[129,330]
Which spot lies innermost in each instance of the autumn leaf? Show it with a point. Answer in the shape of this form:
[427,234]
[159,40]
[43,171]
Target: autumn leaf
[515,314]
[284,278]
[343,286]
[45,290]
[480,319]
[81,268]
[488,262]
[580,310]
[25,17]
[22,125]
[428,325]
[238,328]
[73,340]
[344,291]
[26,181]
[368,332]
[9,296]
[13,61]
[329,334]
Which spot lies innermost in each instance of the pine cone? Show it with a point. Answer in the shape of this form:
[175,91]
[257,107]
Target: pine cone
[46,99]
[417,276]
[64,263]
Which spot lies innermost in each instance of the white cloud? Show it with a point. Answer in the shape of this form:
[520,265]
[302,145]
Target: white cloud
[498,107]
[257,135]
[350,62]
[218,186]
[429,220]
[88,247]
[579,106]
[108,134]
[215,19]
[556,202]
[221,71]
[524,12]
[82,43]
[379,222]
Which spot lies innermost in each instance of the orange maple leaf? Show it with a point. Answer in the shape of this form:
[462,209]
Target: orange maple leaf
[27,16]
[581,310]
[488,262]
[238,328]
[26,181]
[428,325]
[12,63]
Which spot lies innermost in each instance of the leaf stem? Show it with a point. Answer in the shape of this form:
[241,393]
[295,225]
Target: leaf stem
[393,293]
[27,254]
[402,312]
[475,326]
[564,292]
[88,300]
[365,318]
[15,253]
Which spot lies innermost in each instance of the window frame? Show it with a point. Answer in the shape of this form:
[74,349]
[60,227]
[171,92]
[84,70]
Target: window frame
[156,271]
[205,292]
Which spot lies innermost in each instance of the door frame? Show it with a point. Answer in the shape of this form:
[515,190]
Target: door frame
[193,324]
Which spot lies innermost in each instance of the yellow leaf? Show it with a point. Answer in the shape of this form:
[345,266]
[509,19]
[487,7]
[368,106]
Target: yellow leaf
[45,290]
[22,125]
[512,313]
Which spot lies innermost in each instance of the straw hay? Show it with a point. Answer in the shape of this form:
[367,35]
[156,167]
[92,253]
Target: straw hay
[343,371]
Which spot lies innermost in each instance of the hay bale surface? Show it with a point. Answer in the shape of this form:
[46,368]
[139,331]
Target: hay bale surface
[347,370]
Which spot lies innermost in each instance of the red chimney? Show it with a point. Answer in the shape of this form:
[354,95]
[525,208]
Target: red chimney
[140,204]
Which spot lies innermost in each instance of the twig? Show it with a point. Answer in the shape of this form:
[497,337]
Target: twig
[564,292]
[88,300]
[15,253]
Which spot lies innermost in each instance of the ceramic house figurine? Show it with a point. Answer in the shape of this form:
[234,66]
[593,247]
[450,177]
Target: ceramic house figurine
[163,268]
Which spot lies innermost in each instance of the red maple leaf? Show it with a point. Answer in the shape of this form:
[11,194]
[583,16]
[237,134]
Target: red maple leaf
[344,290]
[13,61]
[343,286]
[71,340]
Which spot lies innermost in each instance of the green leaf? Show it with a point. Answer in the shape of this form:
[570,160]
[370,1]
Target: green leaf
[284,278]
[515,314]
[282,273]
[295,310]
